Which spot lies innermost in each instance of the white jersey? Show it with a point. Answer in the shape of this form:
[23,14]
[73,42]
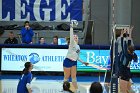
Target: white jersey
[74,49]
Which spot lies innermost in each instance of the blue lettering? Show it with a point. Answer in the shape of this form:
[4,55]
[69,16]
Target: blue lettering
[53,58]
[5,57]
[15,57]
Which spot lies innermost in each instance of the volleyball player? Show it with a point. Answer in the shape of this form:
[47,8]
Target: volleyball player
[126,55]
[24,82]
[125,75]
[70,62]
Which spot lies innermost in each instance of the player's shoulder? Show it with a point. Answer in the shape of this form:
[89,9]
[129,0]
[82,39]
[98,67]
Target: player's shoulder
[29,74]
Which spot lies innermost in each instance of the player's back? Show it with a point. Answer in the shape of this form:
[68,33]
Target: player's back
[26,78]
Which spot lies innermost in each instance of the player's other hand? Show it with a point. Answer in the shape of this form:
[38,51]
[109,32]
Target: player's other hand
[86,63]
[131,28]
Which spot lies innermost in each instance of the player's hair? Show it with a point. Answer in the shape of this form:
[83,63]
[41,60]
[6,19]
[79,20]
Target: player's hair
[26,69]
[66,86]
[96,87]
[68,40]
[131,48]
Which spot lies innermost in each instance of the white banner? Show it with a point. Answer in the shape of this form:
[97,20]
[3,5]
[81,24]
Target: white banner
[13,59]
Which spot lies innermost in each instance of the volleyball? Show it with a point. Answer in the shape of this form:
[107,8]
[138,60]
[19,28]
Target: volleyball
[74,22]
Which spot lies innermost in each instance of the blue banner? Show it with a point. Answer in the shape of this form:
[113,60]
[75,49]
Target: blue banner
[97,57]
[40,10]
[102,58]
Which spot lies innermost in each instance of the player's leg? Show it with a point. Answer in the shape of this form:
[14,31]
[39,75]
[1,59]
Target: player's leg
[73,76]
[123,86]
[66,73]
[67,68]
[129,87]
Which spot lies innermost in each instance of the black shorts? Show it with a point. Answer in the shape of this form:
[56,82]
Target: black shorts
[125,73]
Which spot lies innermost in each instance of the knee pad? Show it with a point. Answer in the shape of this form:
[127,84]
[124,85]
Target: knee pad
[74,80]
[65,79]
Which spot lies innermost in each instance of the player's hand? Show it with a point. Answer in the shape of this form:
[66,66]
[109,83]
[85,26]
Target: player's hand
[74,23]
[131,28]
[85,63]
[71,25]
[122,32]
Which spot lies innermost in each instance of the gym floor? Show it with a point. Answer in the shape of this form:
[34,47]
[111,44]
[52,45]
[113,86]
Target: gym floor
[53,84]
